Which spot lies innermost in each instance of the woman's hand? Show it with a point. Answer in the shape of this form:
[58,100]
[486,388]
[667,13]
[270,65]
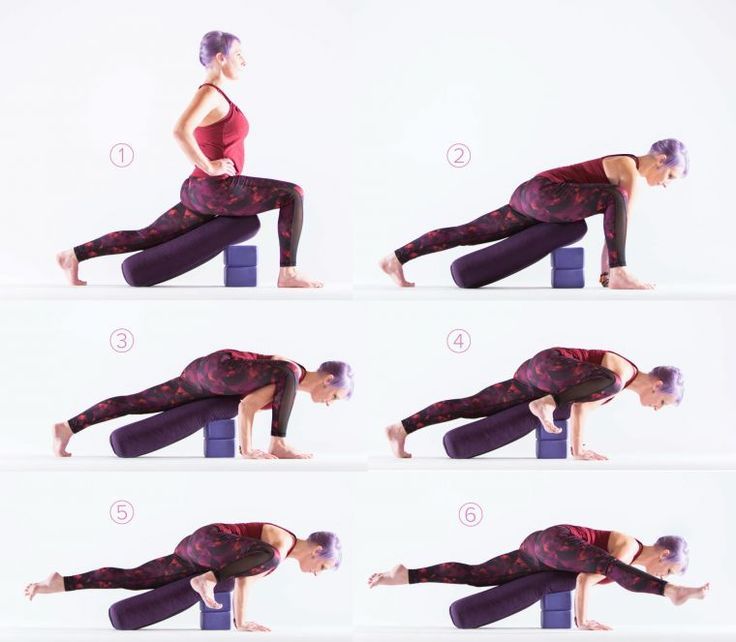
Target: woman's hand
[592,625]
[252,627]
[220,167]
[588,455]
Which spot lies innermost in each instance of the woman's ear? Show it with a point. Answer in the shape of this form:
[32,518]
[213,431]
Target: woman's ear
[328,380]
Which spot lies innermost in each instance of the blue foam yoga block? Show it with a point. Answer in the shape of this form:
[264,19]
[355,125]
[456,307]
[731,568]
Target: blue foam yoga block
[552,449]
[241,277]
[557,619]
[568,258]
[561,601]
[215,620]
[219,448]
[543,435]
[241,255]
[221,597]
[568,278]
[220,429]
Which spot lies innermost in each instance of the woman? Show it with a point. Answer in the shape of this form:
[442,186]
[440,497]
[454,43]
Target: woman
[211,132]
[563,195]
[584,378]
[212,554]
[263,381]
[598,556]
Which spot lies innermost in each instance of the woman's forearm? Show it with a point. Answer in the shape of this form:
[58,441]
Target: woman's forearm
[191,150]
[245,428]
[581,600]
[576,430]
[240,598]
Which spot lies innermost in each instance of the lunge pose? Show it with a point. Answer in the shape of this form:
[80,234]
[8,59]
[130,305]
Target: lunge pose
[212,554]
[263,381]
[598,556]
[584,378]
[211,133]
[605,185]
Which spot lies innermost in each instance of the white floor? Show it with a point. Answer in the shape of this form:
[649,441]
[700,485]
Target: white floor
[161,635]
[153,463]
[592,293]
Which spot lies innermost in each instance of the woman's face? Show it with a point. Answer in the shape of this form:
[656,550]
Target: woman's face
[326,394]
[314,564]
[660,175]
[233,63]
[662,568]
[653,397]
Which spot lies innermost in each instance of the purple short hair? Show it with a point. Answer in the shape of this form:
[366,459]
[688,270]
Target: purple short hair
[675,152]
[677,547]
[214,42]
[331,547]
[343,374]
[673,383]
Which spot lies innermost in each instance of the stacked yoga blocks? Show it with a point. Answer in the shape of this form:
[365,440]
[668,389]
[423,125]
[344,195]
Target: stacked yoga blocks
[219,438]
[567,267]
[241,263]
[557,610]
[216,619]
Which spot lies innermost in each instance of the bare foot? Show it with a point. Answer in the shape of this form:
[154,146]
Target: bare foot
[280,449]
[68,262]
[620,278]
[205,585]
[54,583]
[396,576]
[256,454]
[543,410]
[289,277]
[681,594]
[396,434]
[61,433]
[391,266]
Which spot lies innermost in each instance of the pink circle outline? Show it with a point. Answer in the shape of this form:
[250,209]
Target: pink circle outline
[132,155]
[132,511]
[447,340]
[447,155]
[132,340]
[460,510]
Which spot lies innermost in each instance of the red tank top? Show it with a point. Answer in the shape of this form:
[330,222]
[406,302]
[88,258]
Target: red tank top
[254,530]
[596,357]
[588,172]
[223,139]
[599,539]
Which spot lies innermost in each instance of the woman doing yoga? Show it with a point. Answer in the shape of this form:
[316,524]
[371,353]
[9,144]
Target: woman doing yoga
[563,195]
[263,381]
[212,554]
[211,132]
[598,556]
[586,379]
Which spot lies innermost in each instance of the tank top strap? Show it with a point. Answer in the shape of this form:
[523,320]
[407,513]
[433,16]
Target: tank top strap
[633,156]
[631,363]
[209,84]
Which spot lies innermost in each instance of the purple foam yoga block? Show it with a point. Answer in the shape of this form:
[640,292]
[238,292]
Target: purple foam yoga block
[552,449]
[560,601]
[568,278]
[161,430]
[187,251]
[500,602]
[241,277]
[513,254]
[556,619]
[145,609]
[215,620]
[219,448]
[223,598]
[568,258]
[241,255]
[220,429]
[543,435]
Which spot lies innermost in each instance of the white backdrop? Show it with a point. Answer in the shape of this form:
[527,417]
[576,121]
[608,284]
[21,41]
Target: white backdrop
[413,519]
[412,367]
[62,523]
[61,363]
[532,85]
[92,75]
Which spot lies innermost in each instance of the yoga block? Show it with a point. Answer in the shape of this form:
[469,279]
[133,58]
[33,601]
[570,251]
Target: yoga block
[241,277]
[242,255]
[561,601]
[218,620]
[220,429]
[568,258]
[557,619]
[543,435]
[219,448]
[568,278]
[514,253]
[223,598]
[552,449]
